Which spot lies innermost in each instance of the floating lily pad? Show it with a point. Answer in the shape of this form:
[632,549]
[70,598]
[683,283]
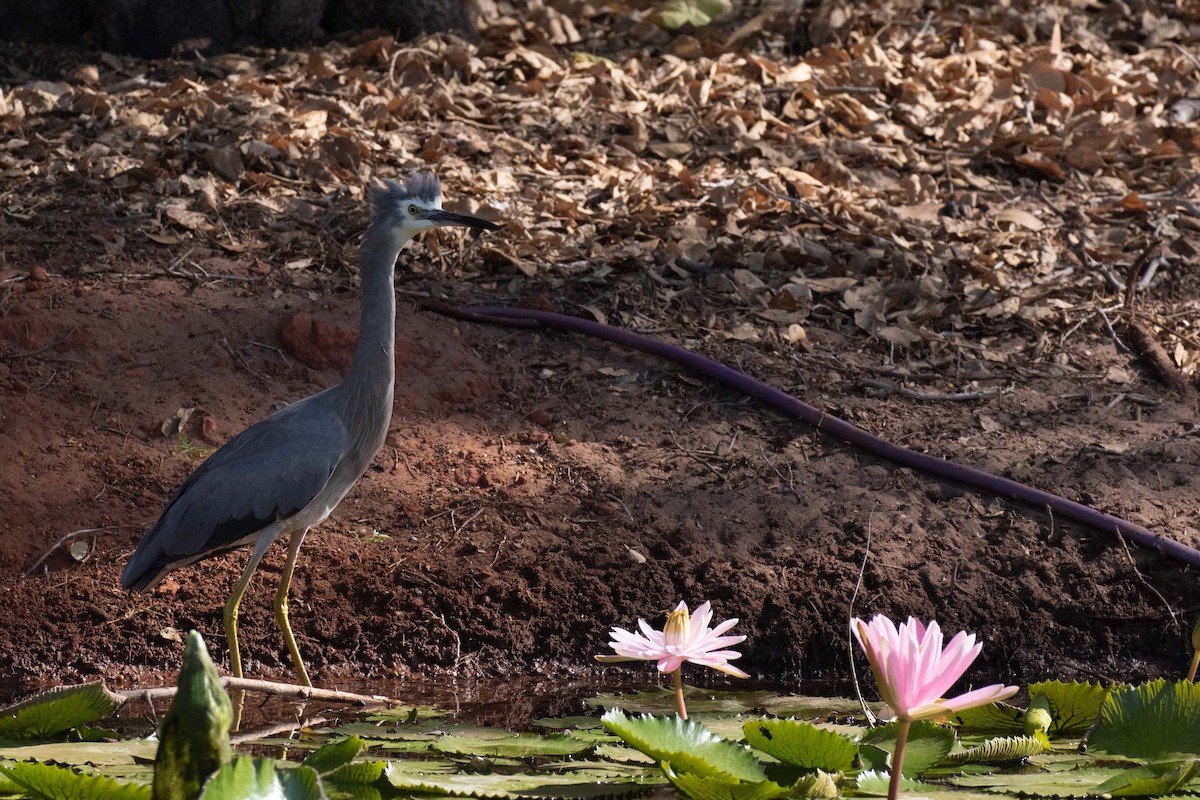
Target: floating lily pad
[706,787]
[248,778]
[1151,780]
[507,786]
[927,745]
[520,745]
[335,755]
[1074,706]
[875,784]
[1152,720]
[57,710]
[48,782]
[1000,750]
[1072,783]
[97,754]
[800,744]
[687,745]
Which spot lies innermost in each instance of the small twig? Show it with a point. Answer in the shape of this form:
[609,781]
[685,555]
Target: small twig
[276,729]
[891,387]
[862,568]
[1146,583]
[68,537]
[56,343]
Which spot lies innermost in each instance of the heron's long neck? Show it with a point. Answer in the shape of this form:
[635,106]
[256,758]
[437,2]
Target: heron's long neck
[366,392]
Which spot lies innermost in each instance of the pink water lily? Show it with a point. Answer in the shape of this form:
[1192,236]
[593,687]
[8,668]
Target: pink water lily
[683,638]
[913,672]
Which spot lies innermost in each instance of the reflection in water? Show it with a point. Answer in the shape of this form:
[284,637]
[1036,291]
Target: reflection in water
[514,704]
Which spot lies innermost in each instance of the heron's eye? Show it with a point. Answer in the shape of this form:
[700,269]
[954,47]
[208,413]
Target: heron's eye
[412,210]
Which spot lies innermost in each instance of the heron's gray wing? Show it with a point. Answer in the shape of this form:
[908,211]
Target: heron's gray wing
[266,473]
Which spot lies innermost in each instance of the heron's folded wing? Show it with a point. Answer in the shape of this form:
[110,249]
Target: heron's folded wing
[267,472]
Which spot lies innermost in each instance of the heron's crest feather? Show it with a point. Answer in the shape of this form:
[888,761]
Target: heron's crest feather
[423,186]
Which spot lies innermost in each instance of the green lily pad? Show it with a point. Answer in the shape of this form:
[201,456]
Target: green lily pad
[247,778]
[335,755]
[57,710]
[1000,750]
[687,745]
[992,718]
[1150,721]
[519,745]
[1073,706]
[48,782]
[800,744]
[75,754]
[507,786]
[707,787]
[1151,780]
[873,783]
[1070,783]
[927,745]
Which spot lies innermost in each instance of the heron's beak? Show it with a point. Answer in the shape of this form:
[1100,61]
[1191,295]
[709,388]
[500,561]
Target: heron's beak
[440,217]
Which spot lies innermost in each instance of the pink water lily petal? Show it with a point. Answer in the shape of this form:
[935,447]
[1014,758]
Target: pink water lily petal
[913,670]
[686,637]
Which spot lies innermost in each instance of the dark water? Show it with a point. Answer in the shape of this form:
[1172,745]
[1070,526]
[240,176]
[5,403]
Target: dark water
[512,703]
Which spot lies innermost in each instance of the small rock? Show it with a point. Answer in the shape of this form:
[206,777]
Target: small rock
[38,275]
[209,430]
[541,416]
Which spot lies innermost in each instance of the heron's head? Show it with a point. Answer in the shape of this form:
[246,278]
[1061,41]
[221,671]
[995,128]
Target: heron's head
[415,205]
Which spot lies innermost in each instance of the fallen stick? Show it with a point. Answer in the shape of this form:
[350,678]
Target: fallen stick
[292,690]
[840,428]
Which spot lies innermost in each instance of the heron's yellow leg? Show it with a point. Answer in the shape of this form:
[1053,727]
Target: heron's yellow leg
[281,606]
[231,613]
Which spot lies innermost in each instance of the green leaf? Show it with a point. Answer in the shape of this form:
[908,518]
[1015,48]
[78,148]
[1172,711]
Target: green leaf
[1151,780]
[193,739]
[875,784]
[707,787]
[687,745]
[801,744]
[1073,706]
[358,773]
[335,755]
[1001,750]
[927,744]
[48,782]
[75,754]
[247,778]
[57,710]
[992,718]
[1150,721]
[805,707]
[519,745]
[506,786]
[675,14]
[1067,783]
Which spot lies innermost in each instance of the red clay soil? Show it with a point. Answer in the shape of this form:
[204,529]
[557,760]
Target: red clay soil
[536,489]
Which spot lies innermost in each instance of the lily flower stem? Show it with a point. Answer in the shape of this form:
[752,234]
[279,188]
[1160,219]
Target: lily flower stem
[902,726]
[677,676]
[1191,676]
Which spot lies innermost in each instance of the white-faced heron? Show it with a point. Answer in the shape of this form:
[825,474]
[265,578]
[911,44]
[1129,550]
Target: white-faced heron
[287,472]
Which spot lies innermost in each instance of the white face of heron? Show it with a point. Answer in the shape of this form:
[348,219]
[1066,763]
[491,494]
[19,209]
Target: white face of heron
[420,215]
